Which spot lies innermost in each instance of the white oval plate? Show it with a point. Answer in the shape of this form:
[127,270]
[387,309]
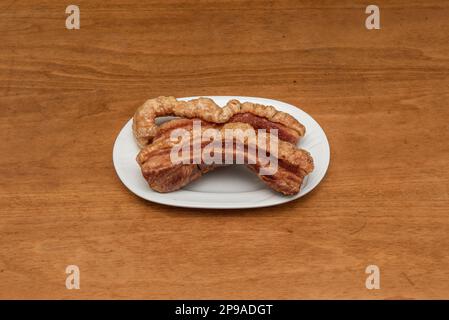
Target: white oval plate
[231,187]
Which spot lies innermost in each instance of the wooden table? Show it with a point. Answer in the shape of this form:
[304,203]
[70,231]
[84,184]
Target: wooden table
[380,95]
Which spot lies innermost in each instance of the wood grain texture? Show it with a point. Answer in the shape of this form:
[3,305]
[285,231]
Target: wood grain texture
[380,95]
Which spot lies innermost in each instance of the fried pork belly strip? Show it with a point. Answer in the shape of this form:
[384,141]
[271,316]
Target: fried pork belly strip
[163,175]
[259,116]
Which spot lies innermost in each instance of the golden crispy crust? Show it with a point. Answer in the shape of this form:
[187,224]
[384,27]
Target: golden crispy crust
[145,128]
[163,175]
[285,150]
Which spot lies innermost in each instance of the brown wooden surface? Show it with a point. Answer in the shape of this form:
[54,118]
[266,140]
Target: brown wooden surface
[380,95]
